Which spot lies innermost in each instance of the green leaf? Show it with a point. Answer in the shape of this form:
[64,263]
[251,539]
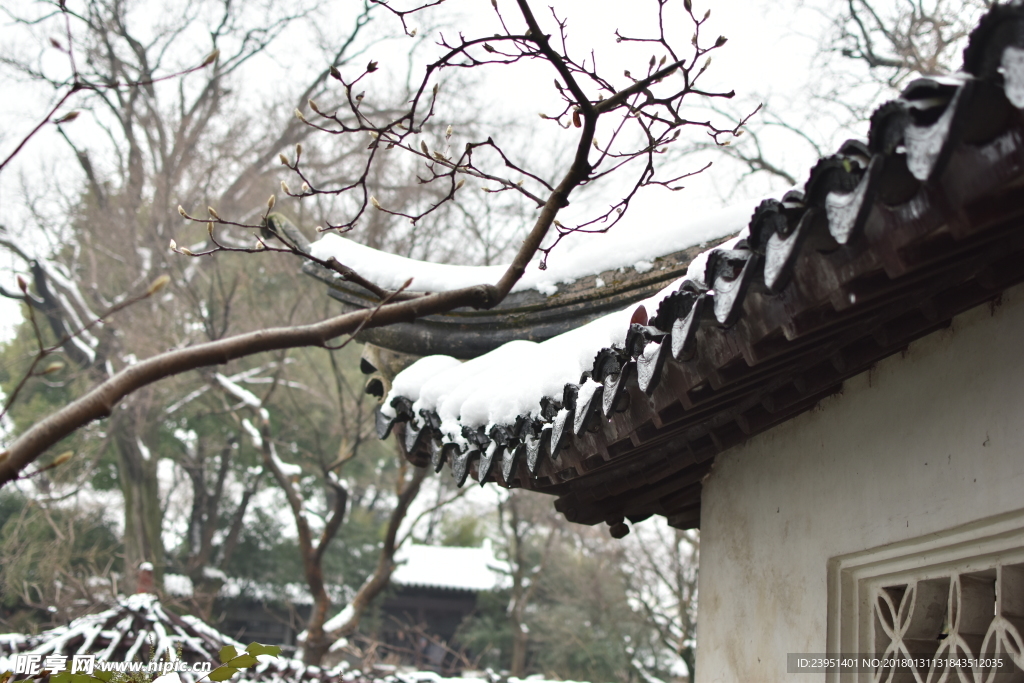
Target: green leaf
[255,648]
[82,678]
[223,673]
[103,675]
[243,661]
[227,653]
[62,677]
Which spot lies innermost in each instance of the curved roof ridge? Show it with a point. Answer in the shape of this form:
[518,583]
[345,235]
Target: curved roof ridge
[887,241]
[585,279]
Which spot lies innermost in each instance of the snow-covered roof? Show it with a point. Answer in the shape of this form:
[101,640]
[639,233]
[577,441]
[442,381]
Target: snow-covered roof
[493,389]
[469,569]
[887,240]
[584,279]
[139,628]
[578,255]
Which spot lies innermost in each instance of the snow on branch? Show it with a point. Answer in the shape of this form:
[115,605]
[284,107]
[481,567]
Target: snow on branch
[640,114]
[243,395]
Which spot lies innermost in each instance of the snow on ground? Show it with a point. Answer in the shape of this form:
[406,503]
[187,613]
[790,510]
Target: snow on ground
[578,255]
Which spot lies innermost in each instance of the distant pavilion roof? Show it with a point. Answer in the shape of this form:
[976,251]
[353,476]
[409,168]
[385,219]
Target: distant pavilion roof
[450,568]
[888,240]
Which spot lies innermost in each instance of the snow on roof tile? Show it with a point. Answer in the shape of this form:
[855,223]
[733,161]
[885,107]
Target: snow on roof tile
[470,569]
[577,256]
[887,240]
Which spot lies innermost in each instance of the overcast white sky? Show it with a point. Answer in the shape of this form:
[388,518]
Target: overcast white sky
[770,50]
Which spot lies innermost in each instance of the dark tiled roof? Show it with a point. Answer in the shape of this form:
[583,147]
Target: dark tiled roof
[886,243]
[532,315]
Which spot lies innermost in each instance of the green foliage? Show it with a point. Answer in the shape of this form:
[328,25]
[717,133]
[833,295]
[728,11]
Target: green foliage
[43,546]
[266,552]
[257,649]
[487,633]
[40,395]
[580,620]
[463,532]
[231,663]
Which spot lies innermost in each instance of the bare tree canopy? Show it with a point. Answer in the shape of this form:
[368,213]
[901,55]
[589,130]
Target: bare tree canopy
[621,125]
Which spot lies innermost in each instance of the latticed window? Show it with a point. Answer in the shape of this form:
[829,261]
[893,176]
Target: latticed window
[943,608]
[953,627]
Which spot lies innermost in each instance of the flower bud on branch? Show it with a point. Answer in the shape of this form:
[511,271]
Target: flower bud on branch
[55,366]
[62,458]
[158,284]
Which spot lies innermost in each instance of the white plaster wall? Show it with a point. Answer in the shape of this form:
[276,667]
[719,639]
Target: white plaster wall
[925,441]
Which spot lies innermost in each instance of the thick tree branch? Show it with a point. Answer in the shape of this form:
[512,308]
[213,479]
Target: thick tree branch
[661,113]
[101,400]
[378,581]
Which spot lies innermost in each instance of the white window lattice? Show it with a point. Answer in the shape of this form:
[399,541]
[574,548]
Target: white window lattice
[950,626]
[953,595]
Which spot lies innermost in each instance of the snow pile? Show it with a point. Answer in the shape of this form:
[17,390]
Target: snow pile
[409,382]
[497,387]
[178,585]
[579,255]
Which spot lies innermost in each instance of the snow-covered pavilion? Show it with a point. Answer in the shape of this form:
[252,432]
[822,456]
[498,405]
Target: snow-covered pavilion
[834,396]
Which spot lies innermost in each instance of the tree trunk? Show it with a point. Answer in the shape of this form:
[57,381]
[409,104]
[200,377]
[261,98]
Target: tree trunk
[205,590]
[690,659]
[143,518]
[318,641]
[520,639]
